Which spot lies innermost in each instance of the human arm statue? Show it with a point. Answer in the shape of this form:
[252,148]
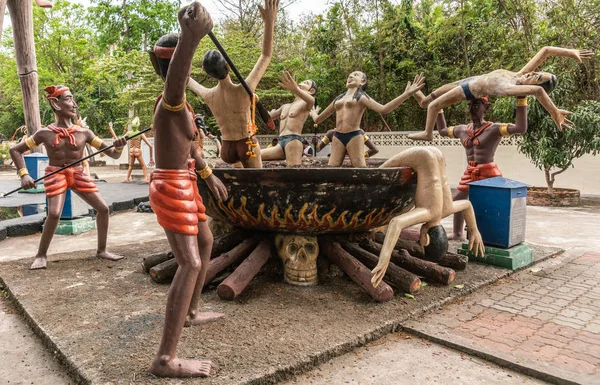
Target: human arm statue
[112,131]
[214,184]
[444,130]
[327,112]
[181,63]
[114,152]
[520,126]
[325,141]
[558,116]
[276,114]
[16,154]
[287,82]
[197,88]
[151,162]
[547,52]
[411,89]
[268,14]
[372,149]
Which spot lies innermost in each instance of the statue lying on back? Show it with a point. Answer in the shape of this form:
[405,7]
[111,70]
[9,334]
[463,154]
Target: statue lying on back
[526,82]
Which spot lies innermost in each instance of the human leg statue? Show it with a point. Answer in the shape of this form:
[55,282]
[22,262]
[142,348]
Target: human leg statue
[55,207]
[102,214]
[293,153]
[140,160]
[450,98]
[273,153]
[458,227]
[356,151]
[166,363]
[205,242]
[254,162]
[338,152]
[130,168]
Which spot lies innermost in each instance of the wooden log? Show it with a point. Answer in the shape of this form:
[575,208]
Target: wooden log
[233,285]
[453,261]
[21,16]
[413,248]
[415,265]
[155,259]
[164,272]
[397,276]
[358,272]
[229,258]
[227,242]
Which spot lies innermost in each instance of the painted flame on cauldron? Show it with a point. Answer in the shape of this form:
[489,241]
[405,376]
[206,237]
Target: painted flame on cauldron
[305,221]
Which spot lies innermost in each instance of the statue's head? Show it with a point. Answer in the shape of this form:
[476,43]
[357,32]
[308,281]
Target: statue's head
[478,107]
[62,102]
[309,86]
[438,243]
[214,65]
[545,80]
[163,52]
[357,79]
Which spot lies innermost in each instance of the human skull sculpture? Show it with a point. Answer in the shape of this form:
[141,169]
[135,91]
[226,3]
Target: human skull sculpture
[299,254]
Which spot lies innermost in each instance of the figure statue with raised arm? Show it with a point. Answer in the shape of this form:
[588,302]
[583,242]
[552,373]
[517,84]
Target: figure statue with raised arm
[292,117]
[349,109]
[174,193]
[201,133]
[526,82]
[480,140]
[65,143]
[230,104]
[433,202]
[135,149]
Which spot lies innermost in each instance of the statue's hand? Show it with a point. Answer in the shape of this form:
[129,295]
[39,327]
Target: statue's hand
[314,113]
[27,182]
[269,12]
[151,163]
[379,272]
[195,21]
[416,85]
[581,55]
[121,142]
[315,139]
[287,82]
[216,187]
[476,243]
[560,118]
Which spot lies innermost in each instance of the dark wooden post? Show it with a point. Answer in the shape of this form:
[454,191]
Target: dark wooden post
[21,16]
[241,277]
[358,272]
[2,10]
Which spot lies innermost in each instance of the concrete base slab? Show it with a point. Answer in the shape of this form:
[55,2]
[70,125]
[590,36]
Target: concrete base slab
[512,258]
[75,226]
[105,318]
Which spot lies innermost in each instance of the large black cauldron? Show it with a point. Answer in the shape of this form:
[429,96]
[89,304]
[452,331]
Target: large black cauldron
[312,199]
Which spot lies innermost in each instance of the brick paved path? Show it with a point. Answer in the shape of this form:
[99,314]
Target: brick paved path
[544,321]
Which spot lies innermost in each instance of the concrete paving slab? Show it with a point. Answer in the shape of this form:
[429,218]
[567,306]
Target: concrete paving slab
[401,358]
[106,318]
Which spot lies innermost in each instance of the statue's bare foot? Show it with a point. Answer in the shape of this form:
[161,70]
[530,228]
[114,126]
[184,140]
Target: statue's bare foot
[38,263]
[109,256]
[421,136]
[44,3]
[127,180]
[166,366]
[457,237]
[199,318]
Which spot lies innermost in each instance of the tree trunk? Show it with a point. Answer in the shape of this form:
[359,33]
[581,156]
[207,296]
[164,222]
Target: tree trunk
[453,261]
[227,242]
[414,265]
[21,15]
[164,272]
[2,10]
[403,280]
[241,277]
[549,181]
[355,270]
[413,248]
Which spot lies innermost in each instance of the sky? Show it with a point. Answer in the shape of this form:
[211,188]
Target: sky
[294,11]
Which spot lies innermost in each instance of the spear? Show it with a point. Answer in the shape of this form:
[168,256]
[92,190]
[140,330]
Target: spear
[134,134]
[262,111]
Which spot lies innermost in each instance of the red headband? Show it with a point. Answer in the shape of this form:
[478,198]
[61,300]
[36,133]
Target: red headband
[54,91]
[164,52]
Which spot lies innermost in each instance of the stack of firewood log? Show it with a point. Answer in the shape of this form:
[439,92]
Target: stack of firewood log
[356,259]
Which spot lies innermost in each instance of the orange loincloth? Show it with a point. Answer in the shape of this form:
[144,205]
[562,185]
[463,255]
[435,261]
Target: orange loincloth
[475,172]
[175,199]
[71,178]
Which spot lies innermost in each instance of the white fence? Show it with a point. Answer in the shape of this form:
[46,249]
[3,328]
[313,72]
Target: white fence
[585,176]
